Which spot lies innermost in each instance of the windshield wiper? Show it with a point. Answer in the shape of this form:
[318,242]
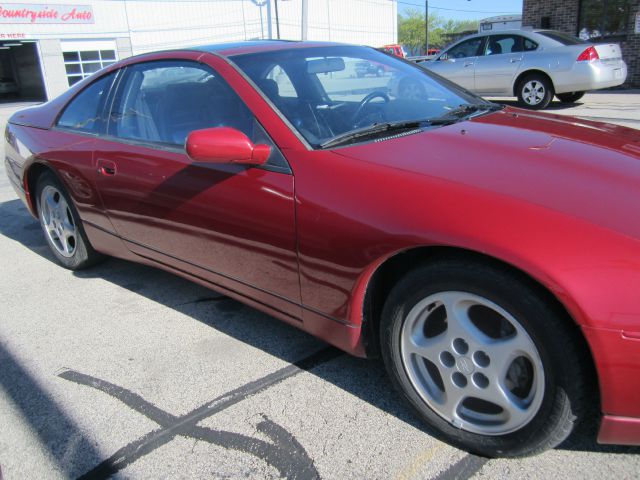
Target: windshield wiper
[371,130]
[462,111]
[449,117]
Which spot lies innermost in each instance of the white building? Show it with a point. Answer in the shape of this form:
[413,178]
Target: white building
[45,47]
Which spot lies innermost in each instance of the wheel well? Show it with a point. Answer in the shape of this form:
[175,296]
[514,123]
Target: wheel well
[389,273]
[529,72]
[32,175]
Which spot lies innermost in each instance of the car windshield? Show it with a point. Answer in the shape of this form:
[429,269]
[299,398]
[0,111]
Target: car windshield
[328,92]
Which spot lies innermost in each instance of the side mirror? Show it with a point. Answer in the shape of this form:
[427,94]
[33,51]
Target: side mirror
[225,145]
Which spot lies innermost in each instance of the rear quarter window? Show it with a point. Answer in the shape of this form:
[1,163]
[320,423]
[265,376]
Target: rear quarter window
[84,112]
[562,38]
[529,45]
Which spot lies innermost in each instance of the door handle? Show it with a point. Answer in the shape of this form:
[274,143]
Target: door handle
[514,60]
[106,168]
[468,64]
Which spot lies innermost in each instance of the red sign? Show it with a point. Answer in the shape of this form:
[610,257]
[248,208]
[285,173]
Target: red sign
[42,13]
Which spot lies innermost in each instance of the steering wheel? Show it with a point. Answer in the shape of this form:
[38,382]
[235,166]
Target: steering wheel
[366,101]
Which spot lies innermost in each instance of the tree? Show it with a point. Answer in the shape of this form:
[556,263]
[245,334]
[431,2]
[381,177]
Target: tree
[411,30]
[457,26]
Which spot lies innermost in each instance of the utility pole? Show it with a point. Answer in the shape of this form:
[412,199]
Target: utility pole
[269,22]
[426,26]
[277,21]
[305,19]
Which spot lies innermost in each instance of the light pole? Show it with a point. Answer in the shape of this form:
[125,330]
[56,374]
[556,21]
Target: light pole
[426,26]
[277,20]
[305,19]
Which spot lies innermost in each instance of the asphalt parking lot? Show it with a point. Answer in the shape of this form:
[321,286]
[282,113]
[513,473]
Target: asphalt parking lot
[130,372]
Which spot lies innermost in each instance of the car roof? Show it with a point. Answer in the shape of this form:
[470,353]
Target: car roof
[517,31]
[229,49]
[256,46]
[534,32]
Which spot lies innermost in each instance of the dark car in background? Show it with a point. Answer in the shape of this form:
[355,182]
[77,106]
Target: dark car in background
[8,87]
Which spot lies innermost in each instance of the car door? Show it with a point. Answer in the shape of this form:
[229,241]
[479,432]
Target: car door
[499,64]
[458,63]
[232,225]
[72,144]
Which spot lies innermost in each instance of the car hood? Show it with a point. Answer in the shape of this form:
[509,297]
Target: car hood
[585,169]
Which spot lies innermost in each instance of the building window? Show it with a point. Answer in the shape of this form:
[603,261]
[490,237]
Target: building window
[603,18]
[81,64]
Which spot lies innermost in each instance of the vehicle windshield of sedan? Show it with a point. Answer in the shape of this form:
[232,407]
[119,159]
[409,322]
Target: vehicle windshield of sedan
[327,93]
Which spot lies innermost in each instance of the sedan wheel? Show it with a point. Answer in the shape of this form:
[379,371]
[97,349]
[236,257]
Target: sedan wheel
[535,92]
[469,346]
[62,226]
[411,90]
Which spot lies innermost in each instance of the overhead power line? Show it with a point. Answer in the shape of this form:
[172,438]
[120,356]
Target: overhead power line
[431,7]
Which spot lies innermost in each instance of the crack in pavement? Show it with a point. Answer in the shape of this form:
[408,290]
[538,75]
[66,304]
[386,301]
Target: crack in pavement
[284,452]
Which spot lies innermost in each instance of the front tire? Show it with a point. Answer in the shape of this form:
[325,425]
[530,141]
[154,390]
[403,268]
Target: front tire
[535,92]
[570,97]
[62,226]
[483,358]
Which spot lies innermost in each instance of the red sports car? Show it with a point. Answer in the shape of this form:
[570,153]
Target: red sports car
[490,255]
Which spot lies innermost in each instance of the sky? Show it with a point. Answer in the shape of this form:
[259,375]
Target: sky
[464,9]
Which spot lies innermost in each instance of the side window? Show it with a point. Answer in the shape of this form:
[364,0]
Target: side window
[499,44]
[83,113]
[529,45]
[468,48]
[162,102]
[278,84]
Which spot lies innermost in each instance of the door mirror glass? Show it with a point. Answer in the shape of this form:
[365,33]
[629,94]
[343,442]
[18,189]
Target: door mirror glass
[225,145]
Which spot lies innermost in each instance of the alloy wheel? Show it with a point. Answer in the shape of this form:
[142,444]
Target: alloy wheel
[412,91]
[58,222]
[472,363]
[533,92]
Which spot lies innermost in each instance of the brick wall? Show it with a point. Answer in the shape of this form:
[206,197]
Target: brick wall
[631,48]
[563,16]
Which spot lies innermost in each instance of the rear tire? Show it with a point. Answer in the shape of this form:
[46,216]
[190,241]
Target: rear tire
[535,91]
[570,97]
[484,359]
[62,226]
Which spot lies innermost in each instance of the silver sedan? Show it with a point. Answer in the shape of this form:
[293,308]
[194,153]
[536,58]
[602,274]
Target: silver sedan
[533,65]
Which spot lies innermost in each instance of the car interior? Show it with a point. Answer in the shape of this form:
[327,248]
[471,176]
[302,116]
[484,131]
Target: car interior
[317,108]
[167,112]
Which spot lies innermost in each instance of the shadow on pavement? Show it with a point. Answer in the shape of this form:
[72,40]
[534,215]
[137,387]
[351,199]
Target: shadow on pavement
[365,379]
[615,91]
[57,432]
